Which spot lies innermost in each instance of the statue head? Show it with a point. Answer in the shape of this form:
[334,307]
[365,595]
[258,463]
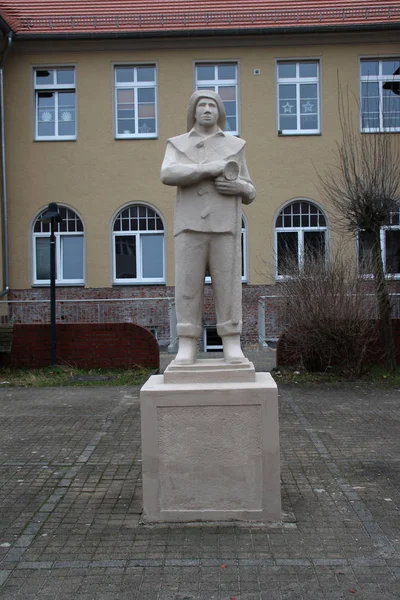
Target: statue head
[194,99]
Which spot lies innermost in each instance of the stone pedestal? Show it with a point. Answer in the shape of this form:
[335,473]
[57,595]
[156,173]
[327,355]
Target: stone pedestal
[210,442]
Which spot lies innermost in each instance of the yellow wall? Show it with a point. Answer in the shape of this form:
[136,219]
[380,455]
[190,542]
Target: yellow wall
[97,174]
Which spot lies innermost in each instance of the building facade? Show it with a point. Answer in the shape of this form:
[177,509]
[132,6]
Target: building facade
[90,100]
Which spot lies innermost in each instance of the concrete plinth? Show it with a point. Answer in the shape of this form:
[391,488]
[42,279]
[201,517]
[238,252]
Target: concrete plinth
[210,448]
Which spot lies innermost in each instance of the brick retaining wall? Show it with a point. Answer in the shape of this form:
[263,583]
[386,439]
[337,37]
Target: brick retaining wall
[86,345]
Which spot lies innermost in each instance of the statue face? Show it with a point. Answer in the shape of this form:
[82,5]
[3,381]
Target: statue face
[206,113]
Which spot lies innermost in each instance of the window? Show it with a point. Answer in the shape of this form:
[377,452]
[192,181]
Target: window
[135,101]
[243,243]
[55,101]
[390,248]
[221,78]
[69,249]
[298,97]
[380,102]
[138,234]
[300,231]
[211,340]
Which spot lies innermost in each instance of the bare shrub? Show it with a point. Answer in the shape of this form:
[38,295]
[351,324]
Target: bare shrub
[331,322]
[363,187]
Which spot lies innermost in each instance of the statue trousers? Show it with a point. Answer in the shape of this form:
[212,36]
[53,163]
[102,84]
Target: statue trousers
[221,253]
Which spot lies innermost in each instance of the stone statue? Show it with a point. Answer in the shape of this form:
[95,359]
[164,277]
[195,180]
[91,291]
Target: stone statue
[210,171]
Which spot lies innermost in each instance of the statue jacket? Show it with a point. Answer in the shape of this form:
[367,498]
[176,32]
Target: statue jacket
[199,206]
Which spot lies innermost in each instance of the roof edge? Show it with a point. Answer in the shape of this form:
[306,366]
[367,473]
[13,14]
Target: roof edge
[4,26]
[179,33]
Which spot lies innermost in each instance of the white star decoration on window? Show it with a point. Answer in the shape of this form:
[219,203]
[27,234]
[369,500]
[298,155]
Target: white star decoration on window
[46,116]
[144,128]
[308,106]
[287,107]
[66,116]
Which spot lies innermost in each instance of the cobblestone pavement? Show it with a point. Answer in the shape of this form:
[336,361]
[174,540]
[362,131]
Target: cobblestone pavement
[70,504]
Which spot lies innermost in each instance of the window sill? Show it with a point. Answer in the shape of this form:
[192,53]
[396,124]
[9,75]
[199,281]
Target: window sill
[147,282]
[369,131]
[58,285]
[136,137]
[298,133]
[388,277]
[56,139]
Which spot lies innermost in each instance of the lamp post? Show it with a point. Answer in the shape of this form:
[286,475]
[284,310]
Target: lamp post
[52,216]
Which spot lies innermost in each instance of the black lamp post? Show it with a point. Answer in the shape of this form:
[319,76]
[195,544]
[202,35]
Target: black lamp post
[52,216]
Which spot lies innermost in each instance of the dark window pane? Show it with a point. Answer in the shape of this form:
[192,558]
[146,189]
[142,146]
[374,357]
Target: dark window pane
[286,70]
[66,128]
[72,256]
[205,72]
[66,76]
[369,68]
[393,251]
[146,95]
[365,252]
[125,257]
[389,67]
[146,73]
[42,258]
[44,77]
[226,72]
[308,69]
[153,256]
[314,245]
[288,243]
[124,74]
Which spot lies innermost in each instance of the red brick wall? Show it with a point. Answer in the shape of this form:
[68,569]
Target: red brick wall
[86,345]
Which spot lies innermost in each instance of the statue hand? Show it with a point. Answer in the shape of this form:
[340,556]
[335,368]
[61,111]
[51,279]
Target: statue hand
[229,188]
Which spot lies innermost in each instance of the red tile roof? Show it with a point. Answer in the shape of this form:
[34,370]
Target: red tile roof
[141,16]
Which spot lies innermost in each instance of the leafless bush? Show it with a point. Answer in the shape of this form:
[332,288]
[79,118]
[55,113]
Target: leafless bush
[331,322]
[363,187]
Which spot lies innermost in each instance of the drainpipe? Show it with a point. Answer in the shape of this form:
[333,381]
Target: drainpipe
[3,166]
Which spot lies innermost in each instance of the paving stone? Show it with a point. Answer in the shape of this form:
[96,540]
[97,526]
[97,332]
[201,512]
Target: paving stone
[70,482]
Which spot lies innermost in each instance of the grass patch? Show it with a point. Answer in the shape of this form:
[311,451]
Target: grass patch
[375,375]
[69,376]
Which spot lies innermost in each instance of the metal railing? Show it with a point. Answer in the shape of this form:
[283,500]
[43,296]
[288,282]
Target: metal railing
[155,314]
[271,315]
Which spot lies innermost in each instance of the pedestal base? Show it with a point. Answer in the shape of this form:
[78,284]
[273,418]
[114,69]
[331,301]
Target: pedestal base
[210,450]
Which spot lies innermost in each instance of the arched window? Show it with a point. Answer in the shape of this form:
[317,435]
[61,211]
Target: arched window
[300,231]
[69,249]
[390,247]
[138,242]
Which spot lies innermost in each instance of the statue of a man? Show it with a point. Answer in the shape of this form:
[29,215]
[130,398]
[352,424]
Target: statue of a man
[210,171]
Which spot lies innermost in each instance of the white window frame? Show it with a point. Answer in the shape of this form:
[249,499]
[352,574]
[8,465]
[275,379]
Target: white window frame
[244,254]
[380,79]
[300,233]
[207,347]
[298,81]
[54,88]
[383,252]
[135,86]
[139,263]
[216,83]
[60,281]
